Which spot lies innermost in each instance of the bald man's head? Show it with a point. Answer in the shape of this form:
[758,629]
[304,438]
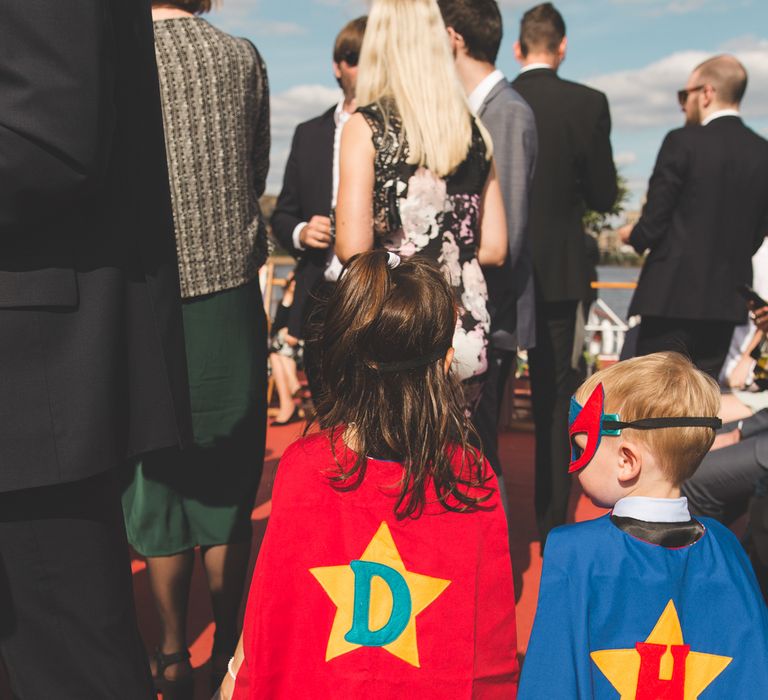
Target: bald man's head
[727,77]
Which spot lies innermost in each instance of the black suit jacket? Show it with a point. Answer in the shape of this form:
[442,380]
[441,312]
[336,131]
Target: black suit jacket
[92,364]
[574,172]
[306,193]
[705,216]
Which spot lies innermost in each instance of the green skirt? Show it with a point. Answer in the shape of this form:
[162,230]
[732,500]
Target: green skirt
[174,499]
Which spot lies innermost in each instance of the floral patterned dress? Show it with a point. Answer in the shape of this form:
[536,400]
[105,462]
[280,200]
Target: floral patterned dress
[417,212]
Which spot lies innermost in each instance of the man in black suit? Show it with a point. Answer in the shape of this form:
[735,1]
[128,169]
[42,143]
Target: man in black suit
[92,362]
[301,220]
[705,217]
[574,172]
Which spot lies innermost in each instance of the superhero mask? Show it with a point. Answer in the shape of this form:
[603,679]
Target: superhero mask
[590,420]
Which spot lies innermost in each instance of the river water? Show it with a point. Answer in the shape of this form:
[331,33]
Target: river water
[617,299]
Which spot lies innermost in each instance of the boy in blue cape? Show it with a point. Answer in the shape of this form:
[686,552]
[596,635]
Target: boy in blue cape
[646,602]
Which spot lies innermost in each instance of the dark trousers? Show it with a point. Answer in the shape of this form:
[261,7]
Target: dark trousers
[706,343]
[486,414]
[725,481]
[553,382]
[67,620]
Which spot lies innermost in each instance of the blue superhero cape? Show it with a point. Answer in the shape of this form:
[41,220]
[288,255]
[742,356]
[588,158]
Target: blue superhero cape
[618,617]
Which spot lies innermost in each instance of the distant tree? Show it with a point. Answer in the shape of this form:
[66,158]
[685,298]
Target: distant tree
[594,222]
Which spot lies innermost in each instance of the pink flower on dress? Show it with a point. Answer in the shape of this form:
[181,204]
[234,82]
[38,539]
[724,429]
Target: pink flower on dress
[469,357]
[475,294]
[449,259]
[422,210]
[466,216]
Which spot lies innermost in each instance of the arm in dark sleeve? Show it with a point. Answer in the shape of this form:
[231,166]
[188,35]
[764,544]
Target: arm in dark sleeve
[516,144]
[288,212]
[755,424]
[56,106]
[663,194]
[600,187]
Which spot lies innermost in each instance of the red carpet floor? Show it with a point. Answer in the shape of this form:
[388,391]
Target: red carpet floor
[517,456]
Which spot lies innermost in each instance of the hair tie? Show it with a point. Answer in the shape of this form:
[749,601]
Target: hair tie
[393,260]
[413,363]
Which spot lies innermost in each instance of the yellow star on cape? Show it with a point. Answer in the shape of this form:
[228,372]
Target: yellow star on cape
[622,666]
[339,583]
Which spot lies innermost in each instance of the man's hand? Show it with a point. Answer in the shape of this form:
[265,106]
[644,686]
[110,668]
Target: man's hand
[317,233]
[761,318]
[625,232]
[726,439]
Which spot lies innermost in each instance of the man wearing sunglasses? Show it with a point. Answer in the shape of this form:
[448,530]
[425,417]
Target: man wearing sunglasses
[301,220]
[705,217]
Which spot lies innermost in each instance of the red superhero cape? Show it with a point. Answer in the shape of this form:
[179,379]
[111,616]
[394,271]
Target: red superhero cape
[347,601]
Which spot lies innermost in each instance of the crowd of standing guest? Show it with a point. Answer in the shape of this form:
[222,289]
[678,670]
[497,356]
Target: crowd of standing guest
[134,337]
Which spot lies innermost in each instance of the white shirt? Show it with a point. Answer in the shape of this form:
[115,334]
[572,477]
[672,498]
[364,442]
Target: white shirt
[653,510]
[483,89]
[720,113]
[534,66]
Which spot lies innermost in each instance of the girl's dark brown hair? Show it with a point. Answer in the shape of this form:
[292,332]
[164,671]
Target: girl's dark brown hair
[384,338]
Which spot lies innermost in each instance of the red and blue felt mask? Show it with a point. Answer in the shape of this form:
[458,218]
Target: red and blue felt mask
[591,420]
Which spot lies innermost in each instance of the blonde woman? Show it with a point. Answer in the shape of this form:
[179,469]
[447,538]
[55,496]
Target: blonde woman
[416,173]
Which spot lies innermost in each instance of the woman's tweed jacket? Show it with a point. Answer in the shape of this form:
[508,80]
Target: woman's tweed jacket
[215,99]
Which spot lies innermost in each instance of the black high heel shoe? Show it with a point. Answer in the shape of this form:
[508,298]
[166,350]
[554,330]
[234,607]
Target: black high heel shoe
[177,688]
[220,657]
[295,418]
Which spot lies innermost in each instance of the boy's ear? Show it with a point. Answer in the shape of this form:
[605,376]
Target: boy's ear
[630,462]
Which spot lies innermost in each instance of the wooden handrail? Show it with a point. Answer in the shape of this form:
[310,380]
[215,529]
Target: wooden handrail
[614,285]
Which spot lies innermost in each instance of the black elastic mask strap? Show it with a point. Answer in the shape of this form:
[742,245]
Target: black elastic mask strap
[670,422]
[386,367]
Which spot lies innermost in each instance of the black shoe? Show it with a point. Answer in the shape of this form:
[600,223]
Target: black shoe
[173,689]
[295,418]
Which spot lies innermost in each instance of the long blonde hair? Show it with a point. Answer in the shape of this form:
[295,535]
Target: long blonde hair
[406,57]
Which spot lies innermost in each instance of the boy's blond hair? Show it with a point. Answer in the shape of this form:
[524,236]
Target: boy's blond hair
[661,385]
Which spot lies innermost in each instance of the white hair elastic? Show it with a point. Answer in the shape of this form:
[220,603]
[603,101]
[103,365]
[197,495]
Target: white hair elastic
[393,260]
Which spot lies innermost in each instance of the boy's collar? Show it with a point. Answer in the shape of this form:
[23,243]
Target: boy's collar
[653,510]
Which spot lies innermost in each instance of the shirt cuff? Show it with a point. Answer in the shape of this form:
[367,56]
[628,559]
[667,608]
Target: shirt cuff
[296,235]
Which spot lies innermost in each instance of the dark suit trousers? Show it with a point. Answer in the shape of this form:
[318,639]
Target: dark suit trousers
[705,342]
[67,620]
[486,414]
[553,382]
[724,482]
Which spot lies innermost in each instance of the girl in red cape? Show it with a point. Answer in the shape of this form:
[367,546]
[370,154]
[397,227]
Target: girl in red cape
[385,568]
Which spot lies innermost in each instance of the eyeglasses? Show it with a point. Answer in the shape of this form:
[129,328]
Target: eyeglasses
[350,58]
[682,95]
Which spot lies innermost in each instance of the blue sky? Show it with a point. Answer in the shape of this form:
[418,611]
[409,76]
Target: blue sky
[639,52]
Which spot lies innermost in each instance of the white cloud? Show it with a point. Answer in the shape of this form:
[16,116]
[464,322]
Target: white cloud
[645,97]
[658,8]
[242,17]
[746,42]
[360,6]
[288,109]
[624,158]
